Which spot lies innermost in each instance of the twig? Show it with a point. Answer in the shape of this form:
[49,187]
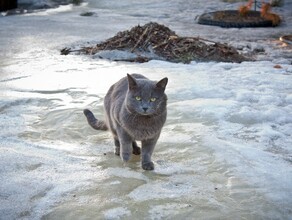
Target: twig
[159,45]
[141,37]
[66,51]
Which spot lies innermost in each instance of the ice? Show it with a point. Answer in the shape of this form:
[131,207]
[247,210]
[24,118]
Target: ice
[122,55]
[126,173]
[224,152]
[116,213]
[159,190]
[168,210]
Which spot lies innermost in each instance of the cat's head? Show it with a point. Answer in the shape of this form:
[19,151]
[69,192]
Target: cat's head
[146,97]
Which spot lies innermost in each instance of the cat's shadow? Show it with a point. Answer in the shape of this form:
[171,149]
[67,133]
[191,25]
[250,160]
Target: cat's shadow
[110,160]
[162,168]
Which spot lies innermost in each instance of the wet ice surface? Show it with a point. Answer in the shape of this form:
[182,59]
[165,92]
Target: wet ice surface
[225,151]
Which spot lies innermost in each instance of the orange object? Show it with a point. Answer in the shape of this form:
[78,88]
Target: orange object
[265,9]
[278,66]
[265,13]
[243,9]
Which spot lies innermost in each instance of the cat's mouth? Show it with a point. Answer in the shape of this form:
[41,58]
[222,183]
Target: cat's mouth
[147,116]
[146,113]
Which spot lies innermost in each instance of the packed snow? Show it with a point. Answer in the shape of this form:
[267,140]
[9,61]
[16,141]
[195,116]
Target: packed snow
[224,152]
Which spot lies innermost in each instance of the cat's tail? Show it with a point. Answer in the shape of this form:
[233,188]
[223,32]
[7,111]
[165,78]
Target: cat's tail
[93,122]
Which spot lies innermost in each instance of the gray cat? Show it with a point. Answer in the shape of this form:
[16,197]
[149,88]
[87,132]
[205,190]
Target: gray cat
[135,110]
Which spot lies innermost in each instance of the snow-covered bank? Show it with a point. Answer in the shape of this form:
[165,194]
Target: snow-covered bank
[225,151]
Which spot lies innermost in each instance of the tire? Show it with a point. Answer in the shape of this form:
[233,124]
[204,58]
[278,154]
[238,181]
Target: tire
[208,19]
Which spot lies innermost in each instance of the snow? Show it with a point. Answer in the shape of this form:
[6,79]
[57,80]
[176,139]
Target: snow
[116,213]
[224,153]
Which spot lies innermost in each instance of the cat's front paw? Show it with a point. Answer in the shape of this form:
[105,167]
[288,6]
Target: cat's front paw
[148,166]
[126,156]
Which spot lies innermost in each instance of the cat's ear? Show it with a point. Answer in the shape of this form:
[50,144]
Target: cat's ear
[162,83]
[132,82]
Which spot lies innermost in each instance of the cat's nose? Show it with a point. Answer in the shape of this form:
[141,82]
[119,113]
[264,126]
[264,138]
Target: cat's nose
[145,109]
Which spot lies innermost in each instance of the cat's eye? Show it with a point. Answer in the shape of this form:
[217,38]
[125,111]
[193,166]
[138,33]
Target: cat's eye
[152,99]
[138,98]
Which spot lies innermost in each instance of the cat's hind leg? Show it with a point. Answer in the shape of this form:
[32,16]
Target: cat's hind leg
[136,149]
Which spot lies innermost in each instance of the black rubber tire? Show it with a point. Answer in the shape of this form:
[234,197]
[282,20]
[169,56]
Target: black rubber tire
[207,19]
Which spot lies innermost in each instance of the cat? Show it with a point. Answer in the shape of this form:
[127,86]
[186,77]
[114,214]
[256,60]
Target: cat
[135,110]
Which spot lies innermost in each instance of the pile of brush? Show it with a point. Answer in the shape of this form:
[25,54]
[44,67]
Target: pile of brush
[166,44]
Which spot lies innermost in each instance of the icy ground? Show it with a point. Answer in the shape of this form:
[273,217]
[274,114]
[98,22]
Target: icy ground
[224,153]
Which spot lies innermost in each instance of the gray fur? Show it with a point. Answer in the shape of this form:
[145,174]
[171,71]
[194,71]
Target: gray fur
[132,120]
[93,122]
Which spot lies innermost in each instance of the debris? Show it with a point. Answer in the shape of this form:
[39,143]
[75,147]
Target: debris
[286,39]
[88,14]
[277,66]
[159,41]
